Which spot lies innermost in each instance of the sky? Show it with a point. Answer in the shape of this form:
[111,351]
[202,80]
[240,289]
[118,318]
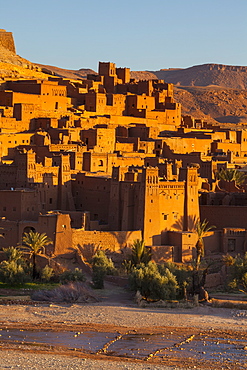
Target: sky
[139,34]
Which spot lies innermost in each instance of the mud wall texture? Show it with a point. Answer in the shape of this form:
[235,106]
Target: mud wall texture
[7,40]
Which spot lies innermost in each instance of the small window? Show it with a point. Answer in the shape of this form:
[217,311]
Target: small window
[4,208]
[231,245]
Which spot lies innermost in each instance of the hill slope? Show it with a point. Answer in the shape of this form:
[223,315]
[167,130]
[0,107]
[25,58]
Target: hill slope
[13,66]
[234,77]
[215,92]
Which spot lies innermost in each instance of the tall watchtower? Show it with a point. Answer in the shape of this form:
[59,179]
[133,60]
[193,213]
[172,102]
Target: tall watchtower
[7,40]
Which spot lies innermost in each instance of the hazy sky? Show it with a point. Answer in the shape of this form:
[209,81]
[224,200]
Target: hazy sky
[140,34]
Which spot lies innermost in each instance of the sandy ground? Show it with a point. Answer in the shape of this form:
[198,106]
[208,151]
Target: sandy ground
[110,311]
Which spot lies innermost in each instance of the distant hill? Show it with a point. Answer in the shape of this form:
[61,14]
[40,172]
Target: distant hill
[234,77]
[215,92]
[79,74]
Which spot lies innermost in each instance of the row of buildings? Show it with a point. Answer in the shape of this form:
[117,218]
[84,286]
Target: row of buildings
[103,161]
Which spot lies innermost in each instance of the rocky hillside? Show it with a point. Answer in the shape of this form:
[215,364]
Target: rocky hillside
[234,77]
[215,104]
[13,66]
[79,74]
[215,92]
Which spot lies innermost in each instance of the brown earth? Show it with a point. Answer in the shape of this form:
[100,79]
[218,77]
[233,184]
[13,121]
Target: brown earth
[117,313]
[227,76]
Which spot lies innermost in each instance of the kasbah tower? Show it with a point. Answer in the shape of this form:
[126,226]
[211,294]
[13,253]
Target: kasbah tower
[7,40]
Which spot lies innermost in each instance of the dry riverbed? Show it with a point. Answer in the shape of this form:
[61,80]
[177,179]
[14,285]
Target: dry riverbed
[118,315]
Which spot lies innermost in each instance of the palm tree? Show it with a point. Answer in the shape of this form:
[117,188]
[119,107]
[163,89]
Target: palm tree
[230,174]
[201,229]
[35,242]
[140,253]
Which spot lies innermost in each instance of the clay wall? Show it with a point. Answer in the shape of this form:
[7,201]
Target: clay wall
[115,104]
[163,253]
[135,103]
[94,162]
[9,141]
[147,147]
[7,40]
[145,87]
[107,69]
[171,215]
[127,160]
[105,140]
[8,124]
[127,140]
[213,242]
[7,176]
[91,193]
[17,205]
[123,74]
[186,145]
[225,216]
[89,241]
[224,147]
[124,147]
[152,207]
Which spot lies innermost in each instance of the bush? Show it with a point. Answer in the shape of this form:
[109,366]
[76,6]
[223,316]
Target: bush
[68,276]
[15,270]
[13,273]
[46,273]
[140,253]
[151,283]
[102,266]
[182,273]
[237,271]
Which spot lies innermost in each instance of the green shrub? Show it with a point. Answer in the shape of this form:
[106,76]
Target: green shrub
[237,271]
[46,273]
[102,266]
[68,276]
[13,273]
[15,270]
[151,283]
[14,254]
[182,273]
[140,253]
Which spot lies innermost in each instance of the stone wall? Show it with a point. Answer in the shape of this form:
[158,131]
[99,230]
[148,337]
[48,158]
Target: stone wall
[7,40]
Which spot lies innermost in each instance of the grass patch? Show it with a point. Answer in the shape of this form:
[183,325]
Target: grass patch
[229,304]
[29,286]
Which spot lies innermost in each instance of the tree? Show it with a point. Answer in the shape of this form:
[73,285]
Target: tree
[140,253]
[35,242]
[151,283]
[231,174]
[201,229]
[14,270]
[101,266]
[237,267]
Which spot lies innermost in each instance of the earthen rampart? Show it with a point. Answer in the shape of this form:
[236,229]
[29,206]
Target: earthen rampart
[7,40]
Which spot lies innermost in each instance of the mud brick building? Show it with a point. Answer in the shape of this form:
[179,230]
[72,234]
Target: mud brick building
[103,161]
